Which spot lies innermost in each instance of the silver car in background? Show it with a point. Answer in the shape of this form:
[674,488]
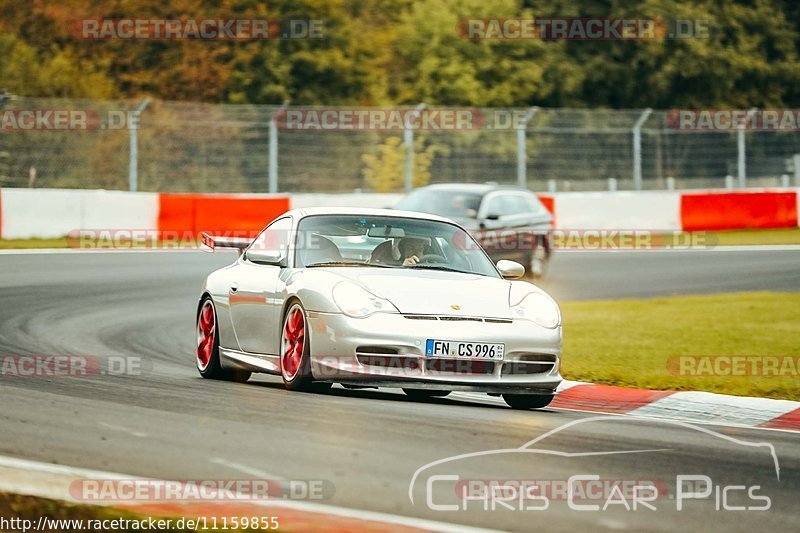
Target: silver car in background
[508,222]
[377,298]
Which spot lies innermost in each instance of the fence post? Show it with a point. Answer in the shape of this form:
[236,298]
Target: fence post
[741,160]
[4,97]
[796,159]
[637,148]
[273,157]
[133,156]
[273,150]
[408,141]
[522,156]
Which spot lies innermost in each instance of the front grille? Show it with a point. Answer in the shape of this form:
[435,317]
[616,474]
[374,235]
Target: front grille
[452,318]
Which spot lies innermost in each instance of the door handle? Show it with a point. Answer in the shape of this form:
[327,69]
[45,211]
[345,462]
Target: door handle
[234,287]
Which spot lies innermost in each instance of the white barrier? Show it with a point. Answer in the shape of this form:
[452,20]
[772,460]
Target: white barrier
[48,213]
[377,200]
[620,210]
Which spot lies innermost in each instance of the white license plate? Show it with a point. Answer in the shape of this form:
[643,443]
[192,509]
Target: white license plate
[473,350]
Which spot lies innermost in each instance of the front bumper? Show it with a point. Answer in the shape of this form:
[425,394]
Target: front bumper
[389,350]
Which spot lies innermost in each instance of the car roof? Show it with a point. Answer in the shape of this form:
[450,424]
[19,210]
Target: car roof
[480,188]
[366,211]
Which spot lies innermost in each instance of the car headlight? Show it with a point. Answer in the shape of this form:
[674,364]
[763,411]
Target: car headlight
[358,302]
[535,306]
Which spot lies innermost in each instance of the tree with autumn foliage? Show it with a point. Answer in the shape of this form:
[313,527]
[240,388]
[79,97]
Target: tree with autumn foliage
[387,52]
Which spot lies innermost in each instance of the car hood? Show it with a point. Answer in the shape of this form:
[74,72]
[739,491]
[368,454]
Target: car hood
[431,292]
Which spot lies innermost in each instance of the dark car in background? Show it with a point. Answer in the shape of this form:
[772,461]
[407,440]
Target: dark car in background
[509,222]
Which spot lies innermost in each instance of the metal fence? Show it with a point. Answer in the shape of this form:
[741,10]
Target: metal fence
[191,147]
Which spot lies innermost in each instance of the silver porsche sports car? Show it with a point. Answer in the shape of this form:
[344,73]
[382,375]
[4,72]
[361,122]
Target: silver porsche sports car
[377,298]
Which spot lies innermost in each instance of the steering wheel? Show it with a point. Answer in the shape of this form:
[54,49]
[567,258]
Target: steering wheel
[432,258]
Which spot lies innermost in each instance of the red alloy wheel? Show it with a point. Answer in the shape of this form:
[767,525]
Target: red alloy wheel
[294,342]
[206,330]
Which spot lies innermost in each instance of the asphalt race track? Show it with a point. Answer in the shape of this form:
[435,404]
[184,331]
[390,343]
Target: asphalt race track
[366,445]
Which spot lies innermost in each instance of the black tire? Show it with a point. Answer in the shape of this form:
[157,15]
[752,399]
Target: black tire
[207,352]
[528,401]
[425,394]
[296,378]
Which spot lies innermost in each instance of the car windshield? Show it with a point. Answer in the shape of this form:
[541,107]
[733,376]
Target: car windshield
[388,242]
[451,203]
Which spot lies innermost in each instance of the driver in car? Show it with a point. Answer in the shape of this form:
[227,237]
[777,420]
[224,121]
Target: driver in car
[406,251]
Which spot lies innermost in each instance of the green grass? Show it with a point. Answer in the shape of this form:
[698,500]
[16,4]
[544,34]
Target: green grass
[64,242]
[756,237]
[697,239]
[8,244]
[629,342]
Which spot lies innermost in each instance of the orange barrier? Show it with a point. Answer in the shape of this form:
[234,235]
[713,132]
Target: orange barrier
[550,203]
[738,210]
[196,213]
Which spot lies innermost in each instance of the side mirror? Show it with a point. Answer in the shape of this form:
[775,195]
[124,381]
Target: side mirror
[491,217]
[510,269]
[265,257]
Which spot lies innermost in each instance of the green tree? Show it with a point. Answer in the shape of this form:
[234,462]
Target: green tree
[384,170]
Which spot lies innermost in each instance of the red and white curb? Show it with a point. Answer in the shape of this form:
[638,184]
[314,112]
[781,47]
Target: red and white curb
[686,406]
[46,480]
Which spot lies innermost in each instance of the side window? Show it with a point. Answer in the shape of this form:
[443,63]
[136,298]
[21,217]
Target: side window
[508,204]
[517,205]
[498,205]
[275,237]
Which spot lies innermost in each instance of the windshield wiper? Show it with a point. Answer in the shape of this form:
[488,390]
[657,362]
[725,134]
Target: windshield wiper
[438,267]
[344,264]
